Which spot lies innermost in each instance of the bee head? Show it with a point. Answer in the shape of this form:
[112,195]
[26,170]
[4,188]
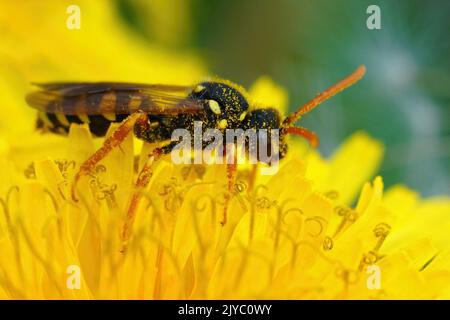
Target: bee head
[224,102]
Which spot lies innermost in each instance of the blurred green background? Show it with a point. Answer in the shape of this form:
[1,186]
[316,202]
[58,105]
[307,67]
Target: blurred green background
[305,46]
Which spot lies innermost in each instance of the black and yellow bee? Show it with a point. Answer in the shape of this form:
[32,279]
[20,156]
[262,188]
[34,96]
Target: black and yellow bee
[154,111]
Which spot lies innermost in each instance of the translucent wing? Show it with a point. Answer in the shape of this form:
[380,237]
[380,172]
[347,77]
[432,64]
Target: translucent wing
[72,98]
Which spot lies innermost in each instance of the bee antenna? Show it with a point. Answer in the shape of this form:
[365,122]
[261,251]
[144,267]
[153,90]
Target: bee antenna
[326,94]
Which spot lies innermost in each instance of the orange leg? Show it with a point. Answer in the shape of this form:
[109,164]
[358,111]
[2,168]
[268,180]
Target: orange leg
[113,141]
[231,177]
[305,133]
[141,182]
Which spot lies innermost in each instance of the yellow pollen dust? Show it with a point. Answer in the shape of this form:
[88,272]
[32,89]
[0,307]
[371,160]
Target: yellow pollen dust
[199,88]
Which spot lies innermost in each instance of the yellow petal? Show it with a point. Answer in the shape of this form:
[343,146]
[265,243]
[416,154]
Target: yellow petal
[265,92]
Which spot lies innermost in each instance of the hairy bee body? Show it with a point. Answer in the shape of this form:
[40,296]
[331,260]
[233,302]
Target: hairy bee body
[154,112]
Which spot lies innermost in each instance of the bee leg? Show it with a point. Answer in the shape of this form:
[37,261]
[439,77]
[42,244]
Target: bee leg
[141,183]
[231,178]
[110,143]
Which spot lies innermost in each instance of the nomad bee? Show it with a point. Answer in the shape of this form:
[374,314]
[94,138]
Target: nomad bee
[154,111]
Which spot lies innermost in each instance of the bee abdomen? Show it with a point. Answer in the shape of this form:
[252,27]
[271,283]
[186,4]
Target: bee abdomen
[60,123]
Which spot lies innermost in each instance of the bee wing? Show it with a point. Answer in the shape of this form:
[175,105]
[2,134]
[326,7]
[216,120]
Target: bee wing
[75,98]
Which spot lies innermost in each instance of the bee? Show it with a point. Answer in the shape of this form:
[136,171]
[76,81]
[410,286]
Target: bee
[154,111]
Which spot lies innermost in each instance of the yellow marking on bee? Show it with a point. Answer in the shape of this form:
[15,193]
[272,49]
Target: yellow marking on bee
[235,86]
[242,116]
[108,103]
[199,88]
[44,118]
[134,104]
[214,106]
[84,117]
[111,116]
[62,119]
[154,124]
[222,124]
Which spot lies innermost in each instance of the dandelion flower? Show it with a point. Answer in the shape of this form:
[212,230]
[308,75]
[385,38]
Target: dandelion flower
[292,235]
